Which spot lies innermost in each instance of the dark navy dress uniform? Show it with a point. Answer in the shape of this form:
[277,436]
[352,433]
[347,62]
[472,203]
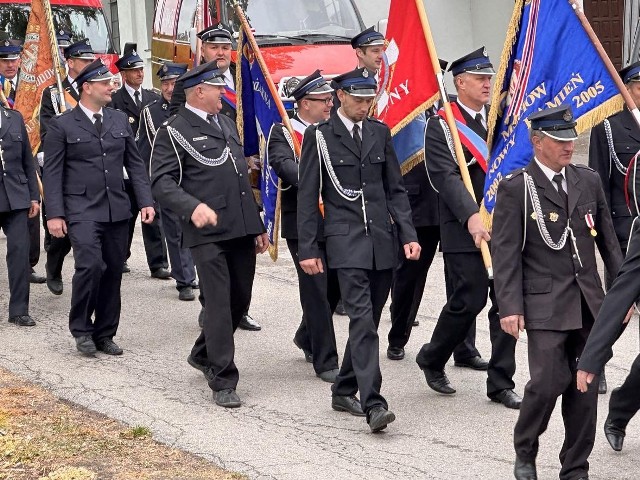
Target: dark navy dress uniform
[558,291]
[465,271]
[152,235]
[362,249]
[319,294]
[151,118]
[224,254]
[84,181]
[18,188]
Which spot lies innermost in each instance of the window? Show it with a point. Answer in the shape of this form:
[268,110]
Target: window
[186,20]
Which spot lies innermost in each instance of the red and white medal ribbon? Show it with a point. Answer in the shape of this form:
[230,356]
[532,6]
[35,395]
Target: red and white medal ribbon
[589,219]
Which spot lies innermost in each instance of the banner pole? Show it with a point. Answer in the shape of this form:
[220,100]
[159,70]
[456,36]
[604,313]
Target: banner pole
[55,55]
[451,122]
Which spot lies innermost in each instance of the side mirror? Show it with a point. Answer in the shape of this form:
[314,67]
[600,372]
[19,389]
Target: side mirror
[382,26]
[193,40]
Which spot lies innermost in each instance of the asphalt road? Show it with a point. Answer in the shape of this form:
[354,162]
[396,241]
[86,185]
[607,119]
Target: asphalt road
[286,428]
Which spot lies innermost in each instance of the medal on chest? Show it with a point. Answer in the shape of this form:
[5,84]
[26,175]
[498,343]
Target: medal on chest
[588,218]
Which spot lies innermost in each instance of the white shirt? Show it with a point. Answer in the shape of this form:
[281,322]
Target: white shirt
[89,113]
[131,92]
[201,113]
[473,113]
[349,124]
[228,79]
[550,174]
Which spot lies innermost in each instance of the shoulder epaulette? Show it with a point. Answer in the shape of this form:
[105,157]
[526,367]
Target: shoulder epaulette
[513,175]
[580,165]
[374,119]
[170,120]
[152,102]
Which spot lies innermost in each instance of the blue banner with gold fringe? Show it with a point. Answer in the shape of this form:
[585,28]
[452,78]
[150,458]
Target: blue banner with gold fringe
[548,60]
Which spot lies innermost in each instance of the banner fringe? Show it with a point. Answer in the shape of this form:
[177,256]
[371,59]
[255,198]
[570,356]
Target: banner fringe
[412,161]
[239,110]
[415,113]
[598,114]
[486,217]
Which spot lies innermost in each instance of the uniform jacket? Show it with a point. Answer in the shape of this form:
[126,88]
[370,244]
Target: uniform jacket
[282,160]
[422,197]
[18,183]
[83,172]
[456,205]
[158,110]
[626,141]
[121,100]
[179,98]
[47,109]
[377,173]
[182,183]
[542,284]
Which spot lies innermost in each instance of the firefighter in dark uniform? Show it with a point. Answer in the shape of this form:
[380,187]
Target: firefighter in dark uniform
[319,294]
[130,99]
[350,163]
[217,46]
[547,281]
[461,230]
[152,116]
[198,171]
[9,74]
[78,55]
[614,142]
[86,150]
[19,201]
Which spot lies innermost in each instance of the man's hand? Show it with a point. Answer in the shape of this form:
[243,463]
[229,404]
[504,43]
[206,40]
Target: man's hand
[629,315]
[312,266]
[477,230]
[147,214]
[583,380]
[412,250]
[262,243]
[203,216]
[34,209]
[513,325]
[57,227]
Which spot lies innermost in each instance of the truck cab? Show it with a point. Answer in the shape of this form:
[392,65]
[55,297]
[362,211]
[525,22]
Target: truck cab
[295,37]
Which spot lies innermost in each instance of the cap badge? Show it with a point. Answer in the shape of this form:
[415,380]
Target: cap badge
[165,68]
[365,73]
[553,216]
[61,32]
[131,119]
[6,43]
[567,117]
[87,42]
[219,27]
[484,51]
[133,52]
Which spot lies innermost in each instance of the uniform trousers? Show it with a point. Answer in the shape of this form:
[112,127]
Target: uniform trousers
[625,400]
[14,225]
[99,250]
[319,295]
[182,268]
[34,240]
[552,366]
[152,235]
[469,283]
[57,249]
[226,271]
[364,293]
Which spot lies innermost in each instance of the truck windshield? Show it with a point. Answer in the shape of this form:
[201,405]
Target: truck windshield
[293,18]
[83,22]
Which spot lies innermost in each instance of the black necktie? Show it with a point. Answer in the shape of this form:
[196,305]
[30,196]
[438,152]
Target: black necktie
[557,179]
[136,97]
[356,137]
[213,120]
[479,120]
[12,92]
[98,122]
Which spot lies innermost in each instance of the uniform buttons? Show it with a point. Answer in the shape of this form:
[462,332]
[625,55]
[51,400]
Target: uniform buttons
[364,184]
[575,256]
[121,133]
[106,171]
[240,174]
[341,161]
[576,274]
[107,188]
[370,221]
[363,165]
[243,194]
[366,202]
[204,146]
[378,158]
[77,139]
[104,154]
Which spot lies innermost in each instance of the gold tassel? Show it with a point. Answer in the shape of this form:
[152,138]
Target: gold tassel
[273,248]
[598,114]
[486,217]
[239,115]
[511,38]
[412,161]
[417,111]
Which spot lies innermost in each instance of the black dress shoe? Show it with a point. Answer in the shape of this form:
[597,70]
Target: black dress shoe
[227,398]
[340,309]
[55,285]
[602,384]
[524,470]
[347,403]
[475,363]
[161,273]
[438,381]
[85,345]
[307,353]
[204,368]
[248,323]
[328,376]
[615,434]
[508,398]
[416,323]
[125,268]
[379,418]
[22,320]
[395,353]
[108,346]
[186,294]
[195,285]
[35,278]
[201,318]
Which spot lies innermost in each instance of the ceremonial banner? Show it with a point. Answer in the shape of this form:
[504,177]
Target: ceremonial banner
[36,72]
[257,112]
[408,85]
[548,60]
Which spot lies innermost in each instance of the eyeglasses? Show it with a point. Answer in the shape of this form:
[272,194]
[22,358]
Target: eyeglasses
[327,101]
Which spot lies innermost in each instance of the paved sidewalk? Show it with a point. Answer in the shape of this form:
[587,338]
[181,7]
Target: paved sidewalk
[286,428]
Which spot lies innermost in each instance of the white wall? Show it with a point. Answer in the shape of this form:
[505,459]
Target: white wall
[135,18]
